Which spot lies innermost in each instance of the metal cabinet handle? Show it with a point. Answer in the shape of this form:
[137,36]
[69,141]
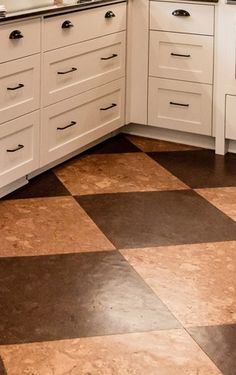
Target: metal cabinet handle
[109,14]
[180,13]
[109,57]
[68,71]
[179,104]
[16,88]
[19,147]
[106,108]
[67,24]
[16,34]
[67,126]
[179,55]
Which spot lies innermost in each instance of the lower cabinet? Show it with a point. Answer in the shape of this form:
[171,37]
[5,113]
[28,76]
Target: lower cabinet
[177,105]
[230,117]
[19,148]
[75,122]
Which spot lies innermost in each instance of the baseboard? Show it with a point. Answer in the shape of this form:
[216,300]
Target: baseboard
[13,186]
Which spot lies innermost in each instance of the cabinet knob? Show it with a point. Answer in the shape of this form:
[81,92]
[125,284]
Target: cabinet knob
[16,34]
[67,24]
[109,14]
[180,13]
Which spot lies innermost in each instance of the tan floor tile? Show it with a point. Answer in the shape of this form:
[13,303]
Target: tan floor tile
[196,282]
[46,226]
[156,145]
[222,198]
[153,353]
[116,173]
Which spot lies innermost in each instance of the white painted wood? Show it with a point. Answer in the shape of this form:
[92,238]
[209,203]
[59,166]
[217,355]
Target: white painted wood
[90,121]
[16,5]
[9,188]
[91,70]
[14,103]
[195,62]
[22,131]
[87,25]
[16,48]
[195,117]
[231,117]
[200,21]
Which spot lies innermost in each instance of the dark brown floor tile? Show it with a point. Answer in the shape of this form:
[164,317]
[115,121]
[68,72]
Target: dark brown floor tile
[45,185]
[219,343]
[200,169]
[118,144]
[75,295]
[157,218]
[2,368]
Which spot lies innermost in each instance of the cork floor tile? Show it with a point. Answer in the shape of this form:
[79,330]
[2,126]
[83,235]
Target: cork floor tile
[47,226]
[222,198]
[112,173]
[196,282]
[118,144]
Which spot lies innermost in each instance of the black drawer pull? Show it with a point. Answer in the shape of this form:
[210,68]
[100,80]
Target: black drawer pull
[16,34]
[109,57]
[67,24]
[109,14]
[19,147]
[16,88]
[180,13]
[179,55]
[68,71]
[179,104]
[110,106]
[67,126]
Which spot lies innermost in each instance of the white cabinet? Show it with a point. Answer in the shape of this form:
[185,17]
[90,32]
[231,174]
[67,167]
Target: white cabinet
[230,117]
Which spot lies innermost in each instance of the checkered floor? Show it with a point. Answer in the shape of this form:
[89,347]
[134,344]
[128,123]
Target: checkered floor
[121,261]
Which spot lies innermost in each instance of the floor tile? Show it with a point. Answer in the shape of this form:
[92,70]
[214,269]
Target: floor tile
[219,343]
[47,226]
[44,185]
[116,173]
[153,353]
[156,145]
[157,218]
[75,295]
[196,282]
[117,144]
[201,168]
[222,198]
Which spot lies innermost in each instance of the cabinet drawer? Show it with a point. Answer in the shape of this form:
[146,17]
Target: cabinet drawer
[19,149]
[19,82]
[231,117]
[19,39]
[74,69]
[180,105]
[85,25]
[181,56]
[75,122]
[198,19]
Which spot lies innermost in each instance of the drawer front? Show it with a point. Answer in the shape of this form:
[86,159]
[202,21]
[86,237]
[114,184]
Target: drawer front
[180,105]
[182,17]
[231,117]
[74,69]
[75,122]
[85,25]
[19,148]
[181,56]
[19,82]
[19,39]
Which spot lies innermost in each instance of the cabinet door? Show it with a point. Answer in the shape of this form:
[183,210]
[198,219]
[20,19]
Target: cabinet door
[231,117]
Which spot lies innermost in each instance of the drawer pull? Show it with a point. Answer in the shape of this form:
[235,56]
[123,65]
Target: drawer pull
[67,126]
[179,55]
[109,57]
[180,13]
[68,71]
[67,24]
[110,106]
[16,34]
[19,147]
[16,88]
[109,14]
[179,104]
